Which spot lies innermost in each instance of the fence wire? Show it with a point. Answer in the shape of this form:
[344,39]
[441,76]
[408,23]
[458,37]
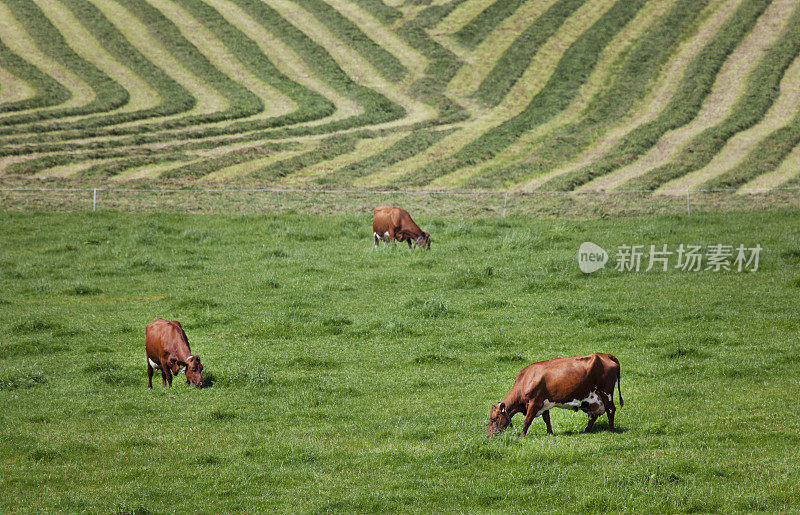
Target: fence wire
[430,202]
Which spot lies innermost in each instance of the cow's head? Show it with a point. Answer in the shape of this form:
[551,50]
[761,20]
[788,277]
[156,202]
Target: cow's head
[424,241]
[499,419]
[194,371]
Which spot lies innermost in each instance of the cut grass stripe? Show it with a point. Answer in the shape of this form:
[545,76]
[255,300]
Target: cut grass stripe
[385,13]
[72,91]
[471,34]
[225,163]
[743,91]
[273,51]
[202,26]
[646,110]
[13,90]
[108,94]
[241,101]
[347,31]
[771,154]
[511,65]
[327,149]
[462,15]
[410,145]
[482,59]
[785,174]
[731,158]
[364,148]
[442,64]
[572,70]
[696,84]
[536,76]
[629,84]
[46,90]
[312,105]
[412,61]
[602,77]
[141,96]
[351,62]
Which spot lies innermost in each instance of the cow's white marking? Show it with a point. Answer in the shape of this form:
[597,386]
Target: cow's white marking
[595,405]
[153,363]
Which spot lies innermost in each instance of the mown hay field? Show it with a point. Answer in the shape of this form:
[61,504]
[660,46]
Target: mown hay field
[346,379]
[563,95]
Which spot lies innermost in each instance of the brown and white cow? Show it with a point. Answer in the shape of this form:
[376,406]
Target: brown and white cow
[393,223]
[583,383]
[167,349]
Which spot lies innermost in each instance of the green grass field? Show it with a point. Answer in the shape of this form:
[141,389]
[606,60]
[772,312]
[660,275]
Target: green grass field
[346,379]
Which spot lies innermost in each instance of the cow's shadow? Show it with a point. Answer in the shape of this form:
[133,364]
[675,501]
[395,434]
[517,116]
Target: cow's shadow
[598,428]
[209,379]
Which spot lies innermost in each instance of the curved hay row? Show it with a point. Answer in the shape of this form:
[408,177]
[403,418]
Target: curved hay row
[409,57]
[594,86]
[462,15]
[275,103]
[70,170]
[483,58]
[19,42]
[727,88]
[251,166]
[364,148]
[13,89]
[541,67]
[744,142]
[356,67]
[142,96]
[209,100]
[665,86]
[788,170]
[285,59]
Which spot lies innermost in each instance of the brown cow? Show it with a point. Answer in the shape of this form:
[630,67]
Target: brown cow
[583,383]
[393,223]
[167,348]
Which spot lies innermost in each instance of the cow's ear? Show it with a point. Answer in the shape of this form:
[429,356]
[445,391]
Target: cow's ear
[171,362]
[502,406]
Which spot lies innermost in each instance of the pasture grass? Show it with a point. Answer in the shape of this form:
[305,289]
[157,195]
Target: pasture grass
[346,379]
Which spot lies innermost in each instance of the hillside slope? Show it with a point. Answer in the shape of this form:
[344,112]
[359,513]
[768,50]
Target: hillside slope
[586,95]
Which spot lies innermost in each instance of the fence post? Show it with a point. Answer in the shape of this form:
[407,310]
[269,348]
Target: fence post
[505,201]
[278,194]
[688,209]
[94,199]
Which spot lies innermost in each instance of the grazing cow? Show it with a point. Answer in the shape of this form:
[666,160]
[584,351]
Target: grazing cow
[167,348]
[394,223]
[583,383]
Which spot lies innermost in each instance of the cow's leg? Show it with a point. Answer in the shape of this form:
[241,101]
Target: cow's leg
[546,418]
[532,408]
[377,240]
[163,376]
[590,424]
[169,376]
[149,375]
[608,404]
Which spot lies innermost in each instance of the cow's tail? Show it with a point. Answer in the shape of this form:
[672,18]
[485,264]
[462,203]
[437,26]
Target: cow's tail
[619,383]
